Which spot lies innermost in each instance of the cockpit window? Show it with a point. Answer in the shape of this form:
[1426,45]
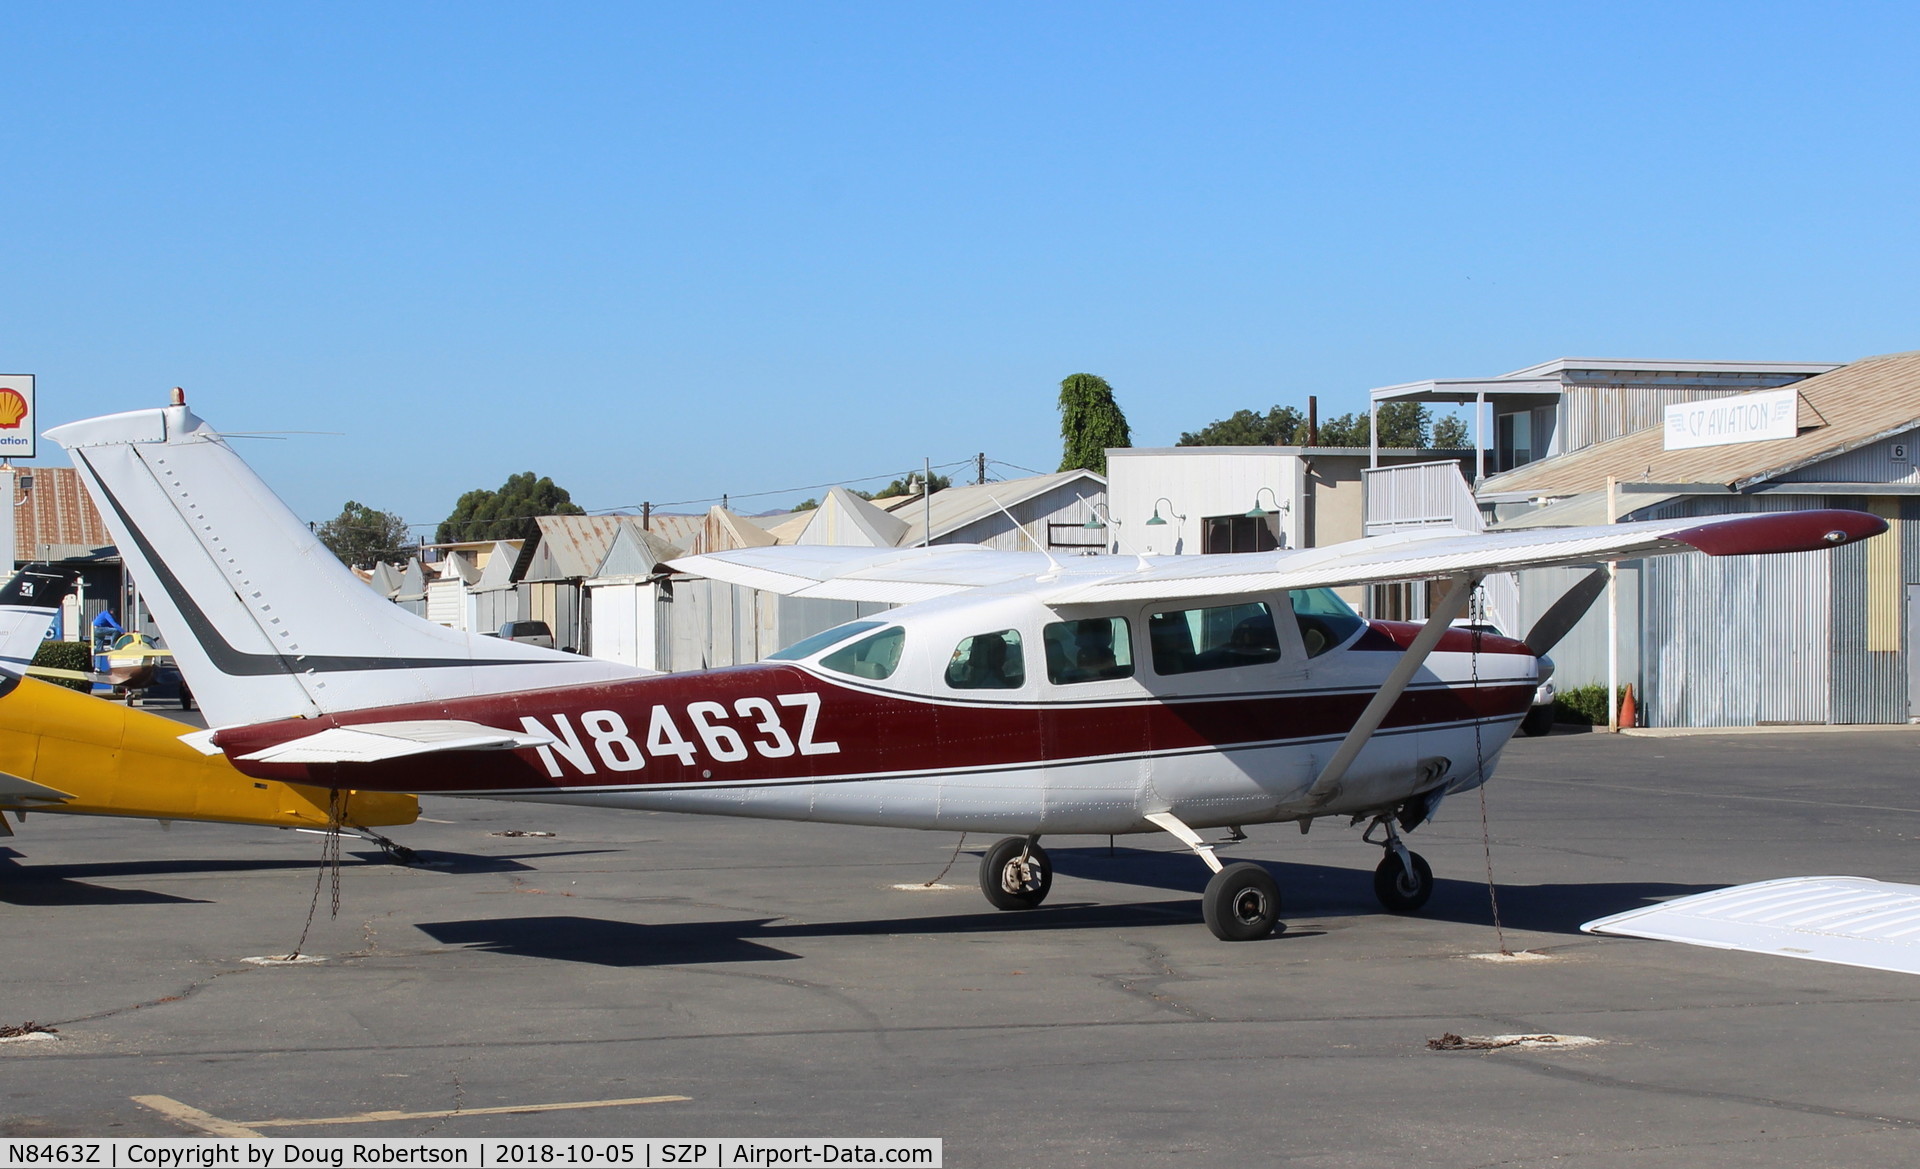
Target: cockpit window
[988,661]
[1188,641]
[806,647]
[1088,650]
[1325,620]
[873,657]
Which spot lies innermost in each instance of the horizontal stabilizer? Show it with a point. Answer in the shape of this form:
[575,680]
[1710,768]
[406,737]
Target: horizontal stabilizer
[54,672]
[372,742]
[202,741]
[14,790]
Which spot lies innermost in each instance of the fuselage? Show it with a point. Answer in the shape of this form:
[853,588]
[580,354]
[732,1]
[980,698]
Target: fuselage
[1219,713]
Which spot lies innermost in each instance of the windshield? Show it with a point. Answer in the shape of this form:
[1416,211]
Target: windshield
[872,657]
[1325,620]
[806,647]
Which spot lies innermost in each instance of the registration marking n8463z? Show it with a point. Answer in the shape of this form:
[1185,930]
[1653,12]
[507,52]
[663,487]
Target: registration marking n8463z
[611,741]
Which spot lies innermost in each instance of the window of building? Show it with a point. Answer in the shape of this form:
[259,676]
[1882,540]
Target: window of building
[988,661]
[1089,650]
[1189,641]
[872,657]
[1238,533]
[1514,438]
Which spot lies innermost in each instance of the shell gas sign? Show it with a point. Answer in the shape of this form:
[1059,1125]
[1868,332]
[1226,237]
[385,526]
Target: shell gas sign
[16,416]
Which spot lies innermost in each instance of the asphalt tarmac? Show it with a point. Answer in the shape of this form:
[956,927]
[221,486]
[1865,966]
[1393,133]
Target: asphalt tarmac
[657,975]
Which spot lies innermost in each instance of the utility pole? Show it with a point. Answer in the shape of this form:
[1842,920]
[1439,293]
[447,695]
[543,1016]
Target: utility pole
[1613,623]
[980,468]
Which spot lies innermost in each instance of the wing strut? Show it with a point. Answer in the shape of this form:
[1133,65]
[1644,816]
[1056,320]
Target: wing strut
[1452,605]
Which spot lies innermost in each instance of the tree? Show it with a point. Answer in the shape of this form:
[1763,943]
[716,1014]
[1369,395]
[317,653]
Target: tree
[1090,422]
[1280,426]
[1402,424]
[506,514]
[909,486]
[362,536]
[1450,433]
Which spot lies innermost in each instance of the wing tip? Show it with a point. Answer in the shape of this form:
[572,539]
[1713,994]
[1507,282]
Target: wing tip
[1783,531]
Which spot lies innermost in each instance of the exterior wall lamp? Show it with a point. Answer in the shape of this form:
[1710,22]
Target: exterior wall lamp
[1096,524]
[1156,521]
[1260,513]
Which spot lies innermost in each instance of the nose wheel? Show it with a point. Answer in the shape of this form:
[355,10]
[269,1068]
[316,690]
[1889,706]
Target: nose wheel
[1016,874]
[1404,880]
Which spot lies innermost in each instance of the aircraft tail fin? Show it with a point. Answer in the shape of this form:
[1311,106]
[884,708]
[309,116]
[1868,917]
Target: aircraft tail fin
[27,605]
[265,621]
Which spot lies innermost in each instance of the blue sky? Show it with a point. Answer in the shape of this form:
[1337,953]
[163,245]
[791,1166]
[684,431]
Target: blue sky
[664,252]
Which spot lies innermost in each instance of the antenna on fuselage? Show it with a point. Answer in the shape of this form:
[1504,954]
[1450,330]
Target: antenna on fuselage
[1022,529]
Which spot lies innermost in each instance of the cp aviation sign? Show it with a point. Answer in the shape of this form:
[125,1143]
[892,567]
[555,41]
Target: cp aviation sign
[16,416]
[1742,418]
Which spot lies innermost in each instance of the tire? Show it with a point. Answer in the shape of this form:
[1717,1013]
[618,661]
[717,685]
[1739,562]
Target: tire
[1539,721]
[1242,903]
[1004,884]
[1395,891]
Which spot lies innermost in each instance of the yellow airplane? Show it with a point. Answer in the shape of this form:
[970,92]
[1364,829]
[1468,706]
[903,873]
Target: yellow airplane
[66,752]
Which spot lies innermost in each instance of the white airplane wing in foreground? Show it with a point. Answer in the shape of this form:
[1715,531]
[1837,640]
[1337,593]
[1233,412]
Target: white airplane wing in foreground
[1850,921]
[899,576]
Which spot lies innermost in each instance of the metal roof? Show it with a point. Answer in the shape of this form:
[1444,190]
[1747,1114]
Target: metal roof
[1564,365]
[956,507]
[1850,407]
[844,518]
[635,552]
[572,546]
[57,512]
[1549,378]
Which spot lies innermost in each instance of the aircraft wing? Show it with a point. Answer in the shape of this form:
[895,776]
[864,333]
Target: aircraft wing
[371,742]
[899,576]
[893,576]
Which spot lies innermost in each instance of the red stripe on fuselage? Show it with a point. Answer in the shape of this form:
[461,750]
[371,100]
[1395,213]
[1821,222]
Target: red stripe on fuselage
[875,734]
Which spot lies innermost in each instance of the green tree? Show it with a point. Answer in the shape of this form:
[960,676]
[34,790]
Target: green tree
[909,486]
[506,514]
[362,536]
[1402,424]
[1280,426]
[1090,423]
[1450,433]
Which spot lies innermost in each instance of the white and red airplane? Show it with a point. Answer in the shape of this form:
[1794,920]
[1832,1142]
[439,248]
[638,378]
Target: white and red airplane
[1008,693]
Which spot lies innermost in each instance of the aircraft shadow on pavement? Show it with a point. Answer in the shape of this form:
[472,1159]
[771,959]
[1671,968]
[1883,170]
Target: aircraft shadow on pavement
[64,884]
[462,864]
[604,942]
[1306,891]
[1310,890]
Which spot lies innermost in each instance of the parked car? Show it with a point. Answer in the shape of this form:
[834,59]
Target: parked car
[530,632]
[1540,717]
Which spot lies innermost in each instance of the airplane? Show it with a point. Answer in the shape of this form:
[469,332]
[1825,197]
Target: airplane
[69,753]
[1009,692]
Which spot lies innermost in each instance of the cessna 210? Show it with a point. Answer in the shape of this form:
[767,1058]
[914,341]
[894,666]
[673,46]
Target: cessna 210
[1009,692]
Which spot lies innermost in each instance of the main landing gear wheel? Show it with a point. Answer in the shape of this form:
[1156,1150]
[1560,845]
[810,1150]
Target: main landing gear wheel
[1241,903]
[1398,889]
[1016,874]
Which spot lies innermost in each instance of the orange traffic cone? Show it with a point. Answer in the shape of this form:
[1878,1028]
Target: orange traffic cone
[1628,711]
